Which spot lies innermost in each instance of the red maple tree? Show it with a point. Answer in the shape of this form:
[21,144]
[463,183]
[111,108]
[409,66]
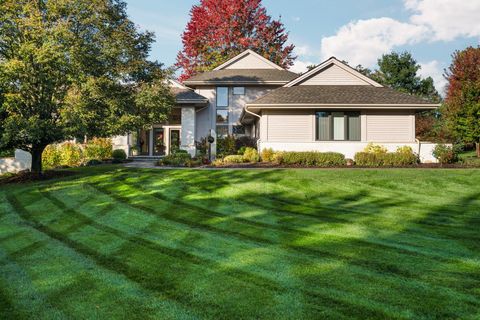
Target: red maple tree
[220,29]
[462,105]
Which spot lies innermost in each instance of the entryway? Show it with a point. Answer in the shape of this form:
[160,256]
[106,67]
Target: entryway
[158,142]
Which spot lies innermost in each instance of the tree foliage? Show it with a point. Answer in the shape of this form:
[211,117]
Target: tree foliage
[462,105]
[220,29]
[70,68]
[400,72]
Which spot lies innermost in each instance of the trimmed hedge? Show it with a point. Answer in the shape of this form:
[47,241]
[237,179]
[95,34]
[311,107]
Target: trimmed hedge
[233,159]
[119,155]
[391,159]
[312,159]
[176,160]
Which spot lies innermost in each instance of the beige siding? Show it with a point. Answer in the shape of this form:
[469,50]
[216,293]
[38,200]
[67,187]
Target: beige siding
[287,126]
[249,62]
[333,75]
[390,126]
[205,119]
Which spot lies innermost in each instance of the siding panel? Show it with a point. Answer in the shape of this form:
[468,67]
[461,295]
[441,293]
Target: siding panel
[333,75]
[293,126]
[390,126]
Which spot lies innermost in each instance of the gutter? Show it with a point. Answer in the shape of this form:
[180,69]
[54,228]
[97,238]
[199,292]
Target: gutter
[340,105]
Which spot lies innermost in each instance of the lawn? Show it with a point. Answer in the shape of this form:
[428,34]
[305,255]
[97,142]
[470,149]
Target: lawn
[278,244]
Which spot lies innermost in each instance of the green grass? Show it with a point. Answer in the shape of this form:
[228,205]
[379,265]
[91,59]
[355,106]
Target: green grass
[470,157]
[274,244]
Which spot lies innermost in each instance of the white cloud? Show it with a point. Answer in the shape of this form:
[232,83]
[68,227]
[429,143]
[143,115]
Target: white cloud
[434,69]
[301,66]
[303,50]
[363,41]
[296,19]
[448,19]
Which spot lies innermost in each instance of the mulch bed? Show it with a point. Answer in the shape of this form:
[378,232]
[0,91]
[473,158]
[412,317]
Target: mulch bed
[24,177]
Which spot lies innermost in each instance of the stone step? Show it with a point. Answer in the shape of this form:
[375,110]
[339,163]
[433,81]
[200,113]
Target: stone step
[146,158]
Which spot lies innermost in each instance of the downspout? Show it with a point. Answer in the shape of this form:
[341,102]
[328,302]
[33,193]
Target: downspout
[256,115]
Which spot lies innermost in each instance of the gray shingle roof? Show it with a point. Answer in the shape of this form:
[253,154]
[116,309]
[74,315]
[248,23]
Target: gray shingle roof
[243,76]
[188,95]
[338,95]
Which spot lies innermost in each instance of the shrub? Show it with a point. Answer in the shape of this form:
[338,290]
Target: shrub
[98,149]
[241,151]
[51,156]
[251,155]
[246,142]
[194,163]
[233,159]
[392,159]
[445,154]
[405,150]
[374,148]
[313,159]
[180,151]
[277,157]
[70,155]
[267,155]
[7,153]
[217,162]
[226,145]
[175,160]
[201,147]
[119,155]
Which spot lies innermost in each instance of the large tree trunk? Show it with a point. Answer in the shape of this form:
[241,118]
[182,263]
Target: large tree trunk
[478,149]
[36,152]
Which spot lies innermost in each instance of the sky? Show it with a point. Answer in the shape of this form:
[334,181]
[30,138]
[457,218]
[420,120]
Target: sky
[358,31]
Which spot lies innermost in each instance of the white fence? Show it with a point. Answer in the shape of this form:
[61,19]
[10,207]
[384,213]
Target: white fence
[21,162]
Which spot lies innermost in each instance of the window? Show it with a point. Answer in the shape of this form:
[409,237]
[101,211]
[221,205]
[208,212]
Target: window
[338,126]
[240,91]
[222,97]
[222,123]
[239,130]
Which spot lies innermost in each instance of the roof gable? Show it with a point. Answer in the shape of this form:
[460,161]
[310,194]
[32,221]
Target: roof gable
[333,72]
[248,60]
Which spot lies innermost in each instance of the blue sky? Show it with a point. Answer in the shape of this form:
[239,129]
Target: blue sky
[358,31]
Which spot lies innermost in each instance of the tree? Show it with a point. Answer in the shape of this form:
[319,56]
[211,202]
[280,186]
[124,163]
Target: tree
[70,68]
[220,29]
[462,104]
[400,71]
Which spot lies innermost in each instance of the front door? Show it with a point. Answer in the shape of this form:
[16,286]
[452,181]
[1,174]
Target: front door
[143,142]
[159,142]
[174,140]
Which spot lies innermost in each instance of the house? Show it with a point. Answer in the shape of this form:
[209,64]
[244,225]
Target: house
[330,108]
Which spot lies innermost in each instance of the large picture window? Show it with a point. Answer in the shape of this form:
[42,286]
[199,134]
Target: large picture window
[338,126]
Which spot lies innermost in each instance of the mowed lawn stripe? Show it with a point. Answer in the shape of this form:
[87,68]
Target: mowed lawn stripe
[63,267]
[373,243]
